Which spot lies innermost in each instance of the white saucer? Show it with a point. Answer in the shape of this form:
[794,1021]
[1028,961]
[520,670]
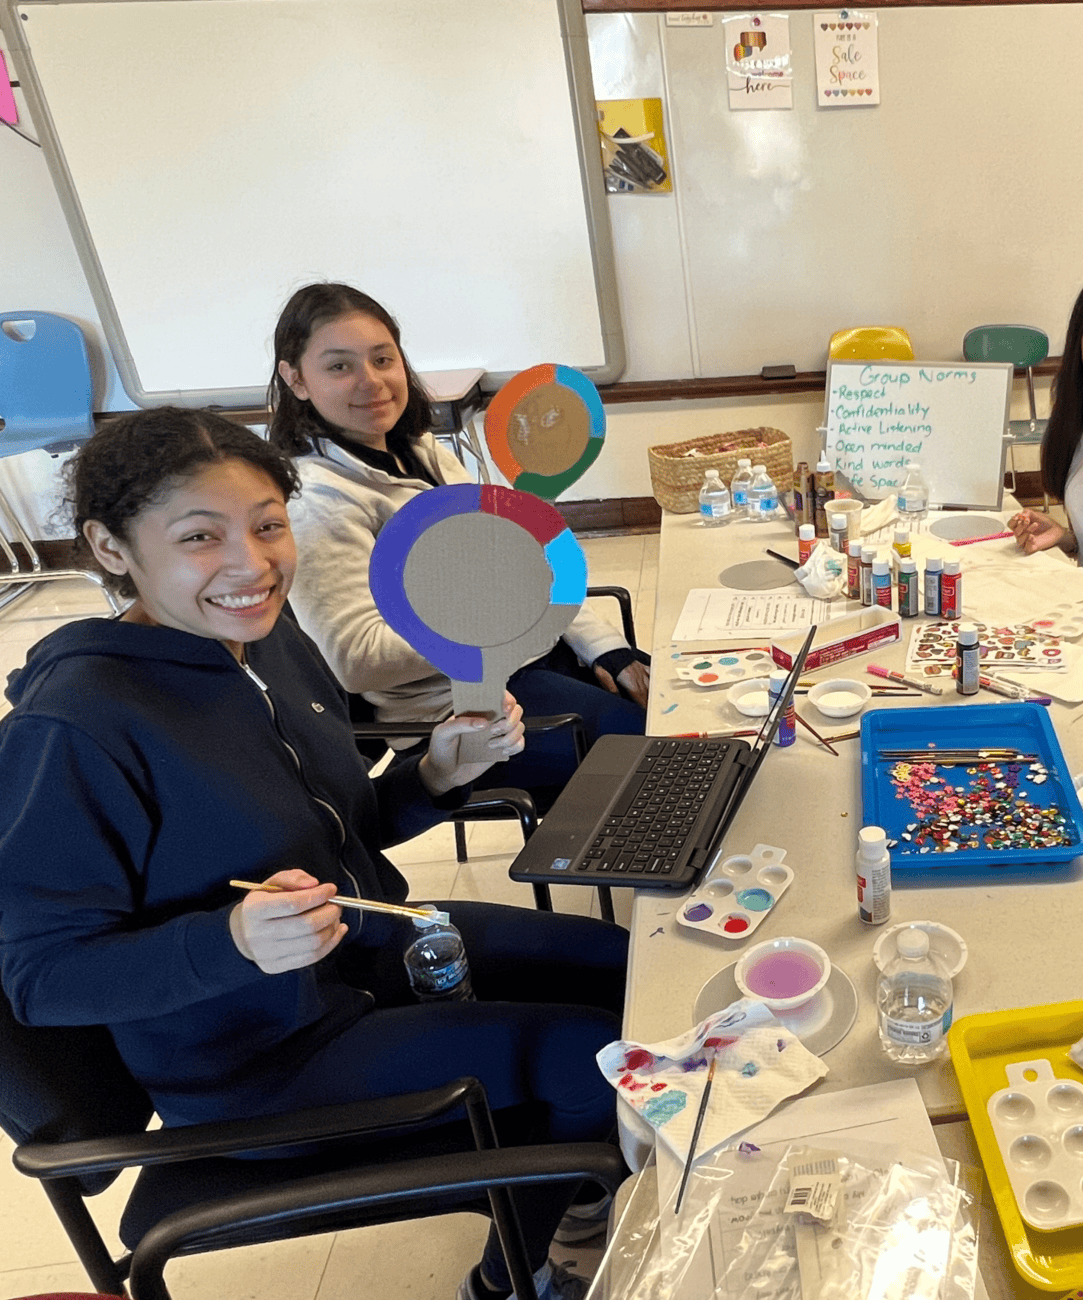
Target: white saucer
[821,1024]
[943,941]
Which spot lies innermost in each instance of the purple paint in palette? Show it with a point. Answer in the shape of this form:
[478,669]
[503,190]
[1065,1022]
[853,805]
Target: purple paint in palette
[783,975]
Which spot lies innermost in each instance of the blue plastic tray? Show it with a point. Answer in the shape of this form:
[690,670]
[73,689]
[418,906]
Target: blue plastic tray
[1024,726]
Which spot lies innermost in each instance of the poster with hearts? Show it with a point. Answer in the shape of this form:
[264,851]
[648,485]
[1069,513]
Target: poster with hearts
[847,59]
[758,68]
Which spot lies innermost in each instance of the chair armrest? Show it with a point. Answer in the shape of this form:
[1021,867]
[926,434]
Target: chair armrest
[229,1137]
[623,598]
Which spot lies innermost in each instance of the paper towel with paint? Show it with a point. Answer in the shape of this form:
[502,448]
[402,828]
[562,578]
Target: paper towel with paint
[760,1064]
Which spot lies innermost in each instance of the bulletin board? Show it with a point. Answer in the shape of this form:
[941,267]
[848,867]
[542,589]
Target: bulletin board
[211,156]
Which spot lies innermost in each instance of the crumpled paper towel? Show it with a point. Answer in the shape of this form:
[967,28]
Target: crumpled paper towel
[823,576]
[760,1064]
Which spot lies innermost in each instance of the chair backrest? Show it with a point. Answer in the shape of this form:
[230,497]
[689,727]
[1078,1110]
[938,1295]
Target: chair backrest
[46,393]
[60,1085]
[1022,345]
[871,343]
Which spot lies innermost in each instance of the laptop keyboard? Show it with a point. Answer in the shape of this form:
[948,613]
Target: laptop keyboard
[651,823]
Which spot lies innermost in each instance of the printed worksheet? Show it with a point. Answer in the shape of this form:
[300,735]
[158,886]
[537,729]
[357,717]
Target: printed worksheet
[709,613]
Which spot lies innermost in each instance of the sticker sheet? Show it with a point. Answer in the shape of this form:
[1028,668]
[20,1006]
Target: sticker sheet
[1019,646]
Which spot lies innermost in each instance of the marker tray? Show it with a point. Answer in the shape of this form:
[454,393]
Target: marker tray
[983,1049]
[992,813]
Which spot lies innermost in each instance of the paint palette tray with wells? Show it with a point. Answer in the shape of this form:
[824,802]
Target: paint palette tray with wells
[723,668]
[735,896]
[1038,1124]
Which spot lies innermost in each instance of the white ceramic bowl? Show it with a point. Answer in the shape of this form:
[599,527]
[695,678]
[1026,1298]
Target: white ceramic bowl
[755,976]
[841,697]
[750,697]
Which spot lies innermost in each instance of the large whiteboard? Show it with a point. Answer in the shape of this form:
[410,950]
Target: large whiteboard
[214,155]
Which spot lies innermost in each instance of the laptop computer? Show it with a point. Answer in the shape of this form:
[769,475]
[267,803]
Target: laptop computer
[649,812]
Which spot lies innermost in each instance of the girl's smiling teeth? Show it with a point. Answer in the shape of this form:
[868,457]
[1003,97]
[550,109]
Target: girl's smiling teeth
[240,601]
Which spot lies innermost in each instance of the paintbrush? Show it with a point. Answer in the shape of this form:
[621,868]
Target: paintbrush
[815,733]
[359,904]
[695,1133]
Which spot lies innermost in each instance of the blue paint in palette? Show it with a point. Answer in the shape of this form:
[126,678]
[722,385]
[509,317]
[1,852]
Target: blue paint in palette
[756,900]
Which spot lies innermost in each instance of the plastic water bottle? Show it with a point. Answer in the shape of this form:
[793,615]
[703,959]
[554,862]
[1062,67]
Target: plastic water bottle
[914,1001]
[913,495]
[739,486]
[714,501]
[762,495]
[436,960]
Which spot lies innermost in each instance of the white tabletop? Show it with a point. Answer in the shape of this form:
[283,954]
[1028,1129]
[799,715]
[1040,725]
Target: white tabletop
[1022,934]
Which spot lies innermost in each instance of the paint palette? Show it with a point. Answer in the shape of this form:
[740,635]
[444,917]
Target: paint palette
[711,670]
[1019,646]
[1038,1124]
[1063,621]
[735,896]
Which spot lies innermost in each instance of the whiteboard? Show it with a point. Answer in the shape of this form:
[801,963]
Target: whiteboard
[951,419]
[214,155]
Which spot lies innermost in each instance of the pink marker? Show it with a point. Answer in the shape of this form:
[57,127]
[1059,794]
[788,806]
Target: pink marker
[916,682]
[992,537]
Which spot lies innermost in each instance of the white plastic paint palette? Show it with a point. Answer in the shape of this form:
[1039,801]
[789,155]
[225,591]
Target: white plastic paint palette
[712,670]
[735,896]
[1064,621]
[1038,1123]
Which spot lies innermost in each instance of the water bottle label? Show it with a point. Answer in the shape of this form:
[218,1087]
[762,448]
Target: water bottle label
[911,505]
[922,1032]
[714,509]
[769,502]
[740,496]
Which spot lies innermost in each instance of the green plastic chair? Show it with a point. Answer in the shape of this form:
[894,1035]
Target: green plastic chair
[1024,346]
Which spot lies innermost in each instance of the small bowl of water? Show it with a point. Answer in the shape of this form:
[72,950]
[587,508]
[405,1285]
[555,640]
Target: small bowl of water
[783,973]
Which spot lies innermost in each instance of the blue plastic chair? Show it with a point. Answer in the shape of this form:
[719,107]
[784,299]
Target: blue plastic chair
[46,404]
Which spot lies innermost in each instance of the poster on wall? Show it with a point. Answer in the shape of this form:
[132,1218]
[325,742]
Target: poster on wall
[847,58]
[634,153]
[758,67]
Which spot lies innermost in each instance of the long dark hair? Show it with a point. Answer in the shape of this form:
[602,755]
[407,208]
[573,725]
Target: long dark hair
[136,459]
[295,424]
[1065,425]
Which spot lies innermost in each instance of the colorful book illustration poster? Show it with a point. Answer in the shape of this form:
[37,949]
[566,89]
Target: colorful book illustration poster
[758,67]
[634,152]
[847,58]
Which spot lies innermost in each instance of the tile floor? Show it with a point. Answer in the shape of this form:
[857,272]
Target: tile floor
[424,1260]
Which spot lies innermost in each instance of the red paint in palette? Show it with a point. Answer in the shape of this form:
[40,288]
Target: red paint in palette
[735,924]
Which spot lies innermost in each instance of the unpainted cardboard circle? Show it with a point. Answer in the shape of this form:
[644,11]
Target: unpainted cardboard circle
[478,579]
[957,528]
[756,575]
[548,429]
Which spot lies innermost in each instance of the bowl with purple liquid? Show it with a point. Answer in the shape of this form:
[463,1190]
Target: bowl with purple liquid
[783,973]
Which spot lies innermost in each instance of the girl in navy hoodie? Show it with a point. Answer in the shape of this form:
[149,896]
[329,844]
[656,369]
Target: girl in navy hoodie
[200,737]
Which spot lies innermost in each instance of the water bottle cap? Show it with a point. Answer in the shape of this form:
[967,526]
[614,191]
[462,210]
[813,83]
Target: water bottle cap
[432,917]
[912,942]
[743,460]
[759,469]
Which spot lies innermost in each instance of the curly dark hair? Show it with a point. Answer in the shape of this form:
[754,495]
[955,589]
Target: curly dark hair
[295,424]
[136,459]
[1065,425]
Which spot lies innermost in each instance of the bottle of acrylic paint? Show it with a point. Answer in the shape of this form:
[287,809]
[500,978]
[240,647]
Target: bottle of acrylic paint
[868,554]
[951,590]
[967,660]
[873,876]
[823,485]
[853,571]
[901,544]
[908,588]
[787,726]
[836,532]
[933,565]
[806,540]
[803,506]
[881,583]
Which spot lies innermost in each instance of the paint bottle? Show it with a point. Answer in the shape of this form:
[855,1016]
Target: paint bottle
[873,876]
[881,583]
[803,508]
[901,544]
[908,588]
[787,725]
[853,571]
[868,554]
[823,488]
[967,660]
[806,540]
[836,532]
[933,566]
[951,590]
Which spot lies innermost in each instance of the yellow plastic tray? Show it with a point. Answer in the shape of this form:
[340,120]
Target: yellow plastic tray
[981,1046]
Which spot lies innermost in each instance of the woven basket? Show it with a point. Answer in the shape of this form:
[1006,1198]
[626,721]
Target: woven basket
[676,476]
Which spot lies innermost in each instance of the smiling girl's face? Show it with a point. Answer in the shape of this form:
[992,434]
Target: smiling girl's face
[352,372]
[214,556]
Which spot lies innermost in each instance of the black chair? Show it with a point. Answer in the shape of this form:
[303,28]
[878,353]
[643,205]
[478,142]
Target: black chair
[78,1117]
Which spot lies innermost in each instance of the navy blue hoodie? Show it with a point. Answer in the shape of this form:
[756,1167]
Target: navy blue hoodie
[140,770]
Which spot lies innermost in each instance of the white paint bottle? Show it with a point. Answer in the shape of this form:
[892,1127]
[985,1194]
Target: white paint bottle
[873,876]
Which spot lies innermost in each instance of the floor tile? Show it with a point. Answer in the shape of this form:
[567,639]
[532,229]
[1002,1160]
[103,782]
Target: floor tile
[424,1259]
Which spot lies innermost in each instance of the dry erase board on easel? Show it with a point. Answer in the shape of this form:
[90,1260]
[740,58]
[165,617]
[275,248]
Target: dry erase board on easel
[211,156]
[951,419]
